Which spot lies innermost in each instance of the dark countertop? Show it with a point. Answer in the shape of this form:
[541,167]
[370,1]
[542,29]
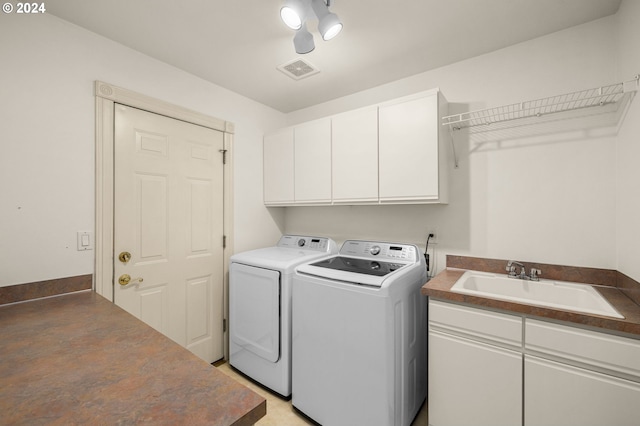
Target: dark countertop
[439,287]
[80,359]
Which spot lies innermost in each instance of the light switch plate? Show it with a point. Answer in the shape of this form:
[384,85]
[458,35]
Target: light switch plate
[85,240]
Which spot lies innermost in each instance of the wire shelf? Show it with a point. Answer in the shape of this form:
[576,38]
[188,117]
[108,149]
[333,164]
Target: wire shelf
[615,94]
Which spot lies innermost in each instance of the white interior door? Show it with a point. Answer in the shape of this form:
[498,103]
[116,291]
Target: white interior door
[168,214]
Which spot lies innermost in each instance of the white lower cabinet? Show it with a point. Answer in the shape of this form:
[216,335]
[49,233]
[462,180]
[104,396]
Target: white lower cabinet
[475,366]
[491,368]
[560,394]
[472,383]
[574,376]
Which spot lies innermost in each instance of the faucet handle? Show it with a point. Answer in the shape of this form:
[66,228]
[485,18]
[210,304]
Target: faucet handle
[535,274]
[511,268]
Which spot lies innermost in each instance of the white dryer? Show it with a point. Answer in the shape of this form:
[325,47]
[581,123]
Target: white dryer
[360,336]
[260,307]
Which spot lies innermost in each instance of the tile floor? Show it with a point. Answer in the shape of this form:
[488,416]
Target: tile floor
[280,412]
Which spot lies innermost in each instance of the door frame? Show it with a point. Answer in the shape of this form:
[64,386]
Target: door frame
[106,96]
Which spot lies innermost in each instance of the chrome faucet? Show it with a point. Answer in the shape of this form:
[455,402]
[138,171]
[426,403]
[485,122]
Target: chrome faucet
[511,269]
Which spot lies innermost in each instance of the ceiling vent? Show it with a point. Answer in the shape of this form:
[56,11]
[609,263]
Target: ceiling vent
[298,69]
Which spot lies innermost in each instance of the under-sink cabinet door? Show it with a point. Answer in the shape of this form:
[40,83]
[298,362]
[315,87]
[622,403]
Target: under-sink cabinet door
[472,383]
[560,394]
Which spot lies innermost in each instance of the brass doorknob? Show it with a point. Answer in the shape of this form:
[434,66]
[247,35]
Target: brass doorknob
[126,279]
[124,257]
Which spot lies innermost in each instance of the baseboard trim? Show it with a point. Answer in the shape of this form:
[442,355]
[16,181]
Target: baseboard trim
[37,290]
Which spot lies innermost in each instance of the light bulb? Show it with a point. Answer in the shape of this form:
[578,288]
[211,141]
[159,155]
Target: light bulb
[332,31]
[291,18]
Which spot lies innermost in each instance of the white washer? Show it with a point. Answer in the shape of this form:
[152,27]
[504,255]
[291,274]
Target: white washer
[360,335]
[260,307]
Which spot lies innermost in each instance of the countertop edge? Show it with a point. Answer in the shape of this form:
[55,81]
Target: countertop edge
[439,287]
[79,359]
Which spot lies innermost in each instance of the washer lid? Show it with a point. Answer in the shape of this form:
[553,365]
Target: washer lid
[369,263]
[351,277]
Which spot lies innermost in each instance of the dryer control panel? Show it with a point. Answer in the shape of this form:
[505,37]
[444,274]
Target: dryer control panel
[380,250]
[306,243]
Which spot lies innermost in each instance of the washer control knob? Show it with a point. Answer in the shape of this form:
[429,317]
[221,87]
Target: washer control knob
[374,250]
[301,242]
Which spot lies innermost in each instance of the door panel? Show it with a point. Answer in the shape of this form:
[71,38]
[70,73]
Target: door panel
[278,167]
[153,307]
[561,394]
[199,217]
[354,153]
[408,149]
[151,214]
[198,296]
[254,306]
[484,379]
[168,213]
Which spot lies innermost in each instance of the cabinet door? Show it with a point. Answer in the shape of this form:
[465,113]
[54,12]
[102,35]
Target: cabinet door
[278,167]
[559,394]
[354,146]
[577,346]
[472,383]
[408,134]
[312,155]
[254,311]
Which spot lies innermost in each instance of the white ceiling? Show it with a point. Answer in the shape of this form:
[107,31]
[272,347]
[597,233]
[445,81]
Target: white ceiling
[238,44]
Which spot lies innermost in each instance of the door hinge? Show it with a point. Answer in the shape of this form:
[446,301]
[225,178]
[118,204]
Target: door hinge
[224,325]
[224,241]
[224,155]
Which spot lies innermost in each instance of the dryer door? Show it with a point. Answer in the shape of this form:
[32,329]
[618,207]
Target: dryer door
[254,310]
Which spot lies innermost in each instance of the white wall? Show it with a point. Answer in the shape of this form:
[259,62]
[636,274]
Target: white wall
[47,71]
[548,199]
[628,154]
[551,202]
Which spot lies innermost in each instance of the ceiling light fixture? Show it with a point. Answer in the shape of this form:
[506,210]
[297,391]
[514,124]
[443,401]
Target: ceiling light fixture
[328,23]
[294,14]
[303,40]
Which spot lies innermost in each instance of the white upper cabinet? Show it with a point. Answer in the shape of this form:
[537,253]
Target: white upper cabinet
[392,153]
[312,160]
[278,169]
[354,142]
[412,150]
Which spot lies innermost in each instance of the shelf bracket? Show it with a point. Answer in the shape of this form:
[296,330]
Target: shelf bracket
[453,148]
[632,85]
